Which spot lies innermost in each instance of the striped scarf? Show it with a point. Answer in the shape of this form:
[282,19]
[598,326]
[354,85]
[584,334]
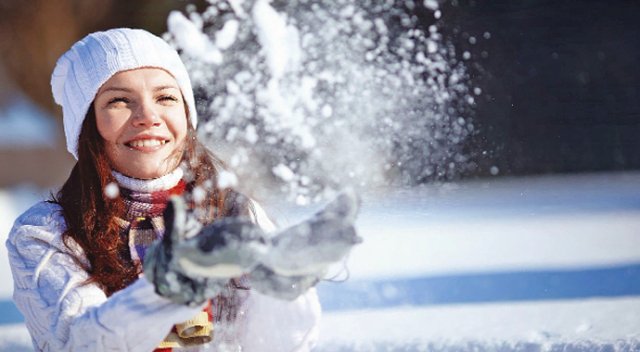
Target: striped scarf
[142,224]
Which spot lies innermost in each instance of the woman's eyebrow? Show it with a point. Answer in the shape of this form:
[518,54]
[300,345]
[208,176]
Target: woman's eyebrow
[164,87]
[117,89]
[129,90]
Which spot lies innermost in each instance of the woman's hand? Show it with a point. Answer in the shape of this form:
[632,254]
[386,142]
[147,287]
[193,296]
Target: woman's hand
[299,256]
[193,263]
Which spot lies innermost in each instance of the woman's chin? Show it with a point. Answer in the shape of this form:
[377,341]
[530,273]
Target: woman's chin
[146,172]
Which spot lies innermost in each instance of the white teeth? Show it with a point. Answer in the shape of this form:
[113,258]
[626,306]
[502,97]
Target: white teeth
[141,143]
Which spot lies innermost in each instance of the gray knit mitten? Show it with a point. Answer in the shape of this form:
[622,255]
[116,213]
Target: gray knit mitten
[299,256]
[193,263]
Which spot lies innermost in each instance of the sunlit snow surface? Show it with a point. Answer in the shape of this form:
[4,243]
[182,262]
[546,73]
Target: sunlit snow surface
[610,324]
[25,125]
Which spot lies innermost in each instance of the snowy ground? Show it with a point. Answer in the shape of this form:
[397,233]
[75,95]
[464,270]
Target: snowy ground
[530,264]
[24,125]
[577,325]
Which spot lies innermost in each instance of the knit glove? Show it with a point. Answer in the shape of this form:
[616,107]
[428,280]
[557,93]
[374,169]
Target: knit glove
[298,257]
[193,263]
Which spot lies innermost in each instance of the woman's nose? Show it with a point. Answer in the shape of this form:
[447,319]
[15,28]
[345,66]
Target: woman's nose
[146,115]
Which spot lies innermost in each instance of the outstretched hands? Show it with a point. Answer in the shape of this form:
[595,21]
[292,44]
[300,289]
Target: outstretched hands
[193,262]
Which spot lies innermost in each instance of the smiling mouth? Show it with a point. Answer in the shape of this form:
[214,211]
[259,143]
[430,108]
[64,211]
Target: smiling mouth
[146,143]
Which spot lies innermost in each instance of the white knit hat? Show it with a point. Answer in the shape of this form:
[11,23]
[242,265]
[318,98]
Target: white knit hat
[90,62]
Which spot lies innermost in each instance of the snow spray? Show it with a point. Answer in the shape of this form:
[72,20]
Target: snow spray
[307,97]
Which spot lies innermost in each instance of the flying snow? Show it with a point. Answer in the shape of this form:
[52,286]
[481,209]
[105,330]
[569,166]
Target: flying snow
[321,95]
[111,190]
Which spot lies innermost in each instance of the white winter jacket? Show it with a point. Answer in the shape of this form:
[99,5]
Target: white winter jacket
[64,314]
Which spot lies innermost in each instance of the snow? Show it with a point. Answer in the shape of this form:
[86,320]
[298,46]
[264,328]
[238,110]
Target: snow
[315,81]
[584,325]
[227,179]
[497,244]
[112,190]
[199,195]
[191,39]
[24,125]
[14,338]
[431,4]
[283,172]
[537,223]
[279,40]
[236,5]
[227,35]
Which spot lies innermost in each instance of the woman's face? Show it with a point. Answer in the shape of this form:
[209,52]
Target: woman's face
[141,116]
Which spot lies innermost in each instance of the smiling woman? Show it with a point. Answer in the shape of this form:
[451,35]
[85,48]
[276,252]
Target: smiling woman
[93,269]
[141,116]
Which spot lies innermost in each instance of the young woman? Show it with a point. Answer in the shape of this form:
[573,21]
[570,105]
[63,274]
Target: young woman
[77,260]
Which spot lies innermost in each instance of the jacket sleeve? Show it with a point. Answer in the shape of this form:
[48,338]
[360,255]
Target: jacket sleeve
[271,324]
[62,312]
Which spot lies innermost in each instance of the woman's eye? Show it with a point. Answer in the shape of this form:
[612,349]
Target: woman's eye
[167,98]
[117,100]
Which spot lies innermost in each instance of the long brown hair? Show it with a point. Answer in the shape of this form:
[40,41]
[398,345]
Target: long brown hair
[90,215]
